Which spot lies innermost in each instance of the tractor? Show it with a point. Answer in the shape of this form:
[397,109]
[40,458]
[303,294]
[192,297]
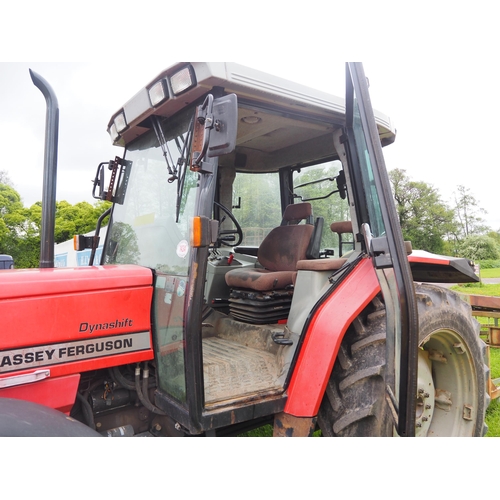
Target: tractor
[253,272]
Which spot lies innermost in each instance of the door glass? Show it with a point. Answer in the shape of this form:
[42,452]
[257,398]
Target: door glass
[397,290]
[371,194]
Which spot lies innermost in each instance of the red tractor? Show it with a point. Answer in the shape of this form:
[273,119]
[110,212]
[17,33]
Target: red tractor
[253,271]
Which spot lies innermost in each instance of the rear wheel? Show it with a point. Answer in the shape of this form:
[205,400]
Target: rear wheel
[452,374]
[451,389]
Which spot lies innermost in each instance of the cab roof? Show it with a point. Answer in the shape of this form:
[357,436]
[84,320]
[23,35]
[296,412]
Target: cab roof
[255,89]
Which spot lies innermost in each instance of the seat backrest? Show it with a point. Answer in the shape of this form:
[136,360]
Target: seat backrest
[296,213]
[342,227]
[288,243]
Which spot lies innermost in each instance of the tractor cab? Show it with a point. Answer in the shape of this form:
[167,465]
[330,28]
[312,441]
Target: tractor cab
[236,190]
[253,271]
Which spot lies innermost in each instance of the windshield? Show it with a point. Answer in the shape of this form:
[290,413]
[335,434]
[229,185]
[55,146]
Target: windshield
[152,229]
[145,229]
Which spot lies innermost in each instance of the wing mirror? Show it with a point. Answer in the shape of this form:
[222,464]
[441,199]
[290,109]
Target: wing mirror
[120,172]
[215,130]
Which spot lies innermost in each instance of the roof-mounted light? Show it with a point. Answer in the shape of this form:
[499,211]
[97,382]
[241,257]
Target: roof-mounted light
[182,80]
[120,122]
[158,93]
[113,133]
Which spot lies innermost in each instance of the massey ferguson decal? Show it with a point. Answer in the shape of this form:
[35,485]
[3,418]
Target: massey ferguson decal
[67,352]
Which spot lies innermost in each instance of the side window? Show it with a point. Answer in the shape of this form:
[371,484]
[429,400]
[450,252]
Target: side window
[256,205]
[317,185]
[372,197]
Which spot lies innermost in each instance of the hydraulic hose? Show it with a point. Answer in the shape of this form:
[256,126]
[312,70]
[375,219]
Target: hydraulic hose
[120,379]
[87,410]
[142,394]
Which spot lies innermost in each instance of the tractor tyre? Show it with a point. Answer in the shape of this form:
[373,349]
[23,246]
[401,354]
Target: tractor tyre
[452,374]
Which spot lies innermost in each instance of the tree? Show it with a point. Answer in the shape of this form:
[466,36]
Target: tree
[20,227]
[424,218]
[16,236]
[478,247]
[495,235]
[5,179]
[80,218]
[332,208]
[467,211]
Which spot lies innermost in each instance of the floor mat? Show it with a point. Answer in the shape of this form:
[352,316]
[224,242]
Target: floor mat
[233,370]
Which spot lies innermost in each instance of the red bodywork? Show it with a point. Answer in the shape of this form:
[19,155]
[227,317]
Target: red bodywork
[66,321]
[324,336]
[58,323]
[330,322]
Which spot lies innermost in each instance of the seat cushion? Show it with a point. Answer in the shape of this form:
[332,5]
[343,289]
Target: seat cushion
[259,279]
[320,264]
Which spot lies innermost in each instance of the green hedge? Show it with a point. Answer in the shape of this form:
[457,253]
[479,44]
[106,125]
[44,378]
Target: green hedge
[489,264]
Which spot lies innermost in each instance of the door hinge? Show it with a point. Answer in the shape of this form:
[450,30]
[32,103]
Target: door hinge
[380,252]
[377,248]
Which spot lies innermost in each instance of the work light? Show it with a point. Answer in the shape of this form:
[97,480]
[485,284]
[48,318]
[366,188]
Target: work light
[120,122]
[182,80]
[158,93]
[113,133]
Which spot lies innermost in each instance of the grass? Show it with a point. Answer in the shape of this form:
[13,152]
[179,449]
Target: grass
[267,431]
[493,290]
[490,273]
[264,431]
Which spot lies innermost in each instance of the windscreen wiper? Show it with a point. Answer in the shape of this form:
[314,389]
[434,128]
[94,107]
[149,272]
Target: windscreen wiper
[182,164]
[172,168]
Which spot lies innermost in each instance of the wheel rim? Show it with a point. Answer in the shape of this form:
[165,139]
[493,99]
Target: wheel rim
[425,395]
[447,391]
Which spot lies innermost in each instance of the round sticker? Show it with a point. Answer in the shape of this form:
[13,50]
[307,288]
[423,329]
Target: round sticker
[182,249]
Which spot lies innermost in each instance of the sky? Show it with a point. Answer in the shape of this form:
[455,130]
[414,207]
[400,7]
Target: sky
[432,70]
[446,136]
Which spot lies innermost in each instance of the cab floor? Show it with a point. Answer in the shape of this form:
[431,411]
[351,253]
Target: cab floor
[234,371]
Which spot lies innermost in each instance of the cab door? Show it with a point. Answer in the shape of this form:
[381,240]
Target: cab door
[381,232]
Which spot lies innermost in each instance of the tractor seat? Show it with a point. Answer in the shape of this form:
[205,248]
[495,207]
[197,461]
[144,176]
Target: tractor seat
[278,253]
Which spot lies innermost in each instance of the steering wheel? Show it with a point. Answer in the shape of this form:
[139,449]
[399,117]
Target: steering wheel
[227,236]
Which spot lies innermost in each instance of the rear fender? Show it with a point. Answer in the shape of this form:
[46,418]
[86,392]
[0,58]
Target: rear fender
[431,268]
[26,419]
[323,336]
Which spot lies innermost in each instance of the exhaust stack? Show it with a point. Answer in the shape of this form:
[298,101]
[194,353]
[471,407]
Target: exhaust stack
[49,171]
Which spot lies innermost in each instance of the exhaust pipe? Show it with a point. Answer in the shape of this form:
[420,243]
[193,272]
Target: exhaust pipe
[49,171]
